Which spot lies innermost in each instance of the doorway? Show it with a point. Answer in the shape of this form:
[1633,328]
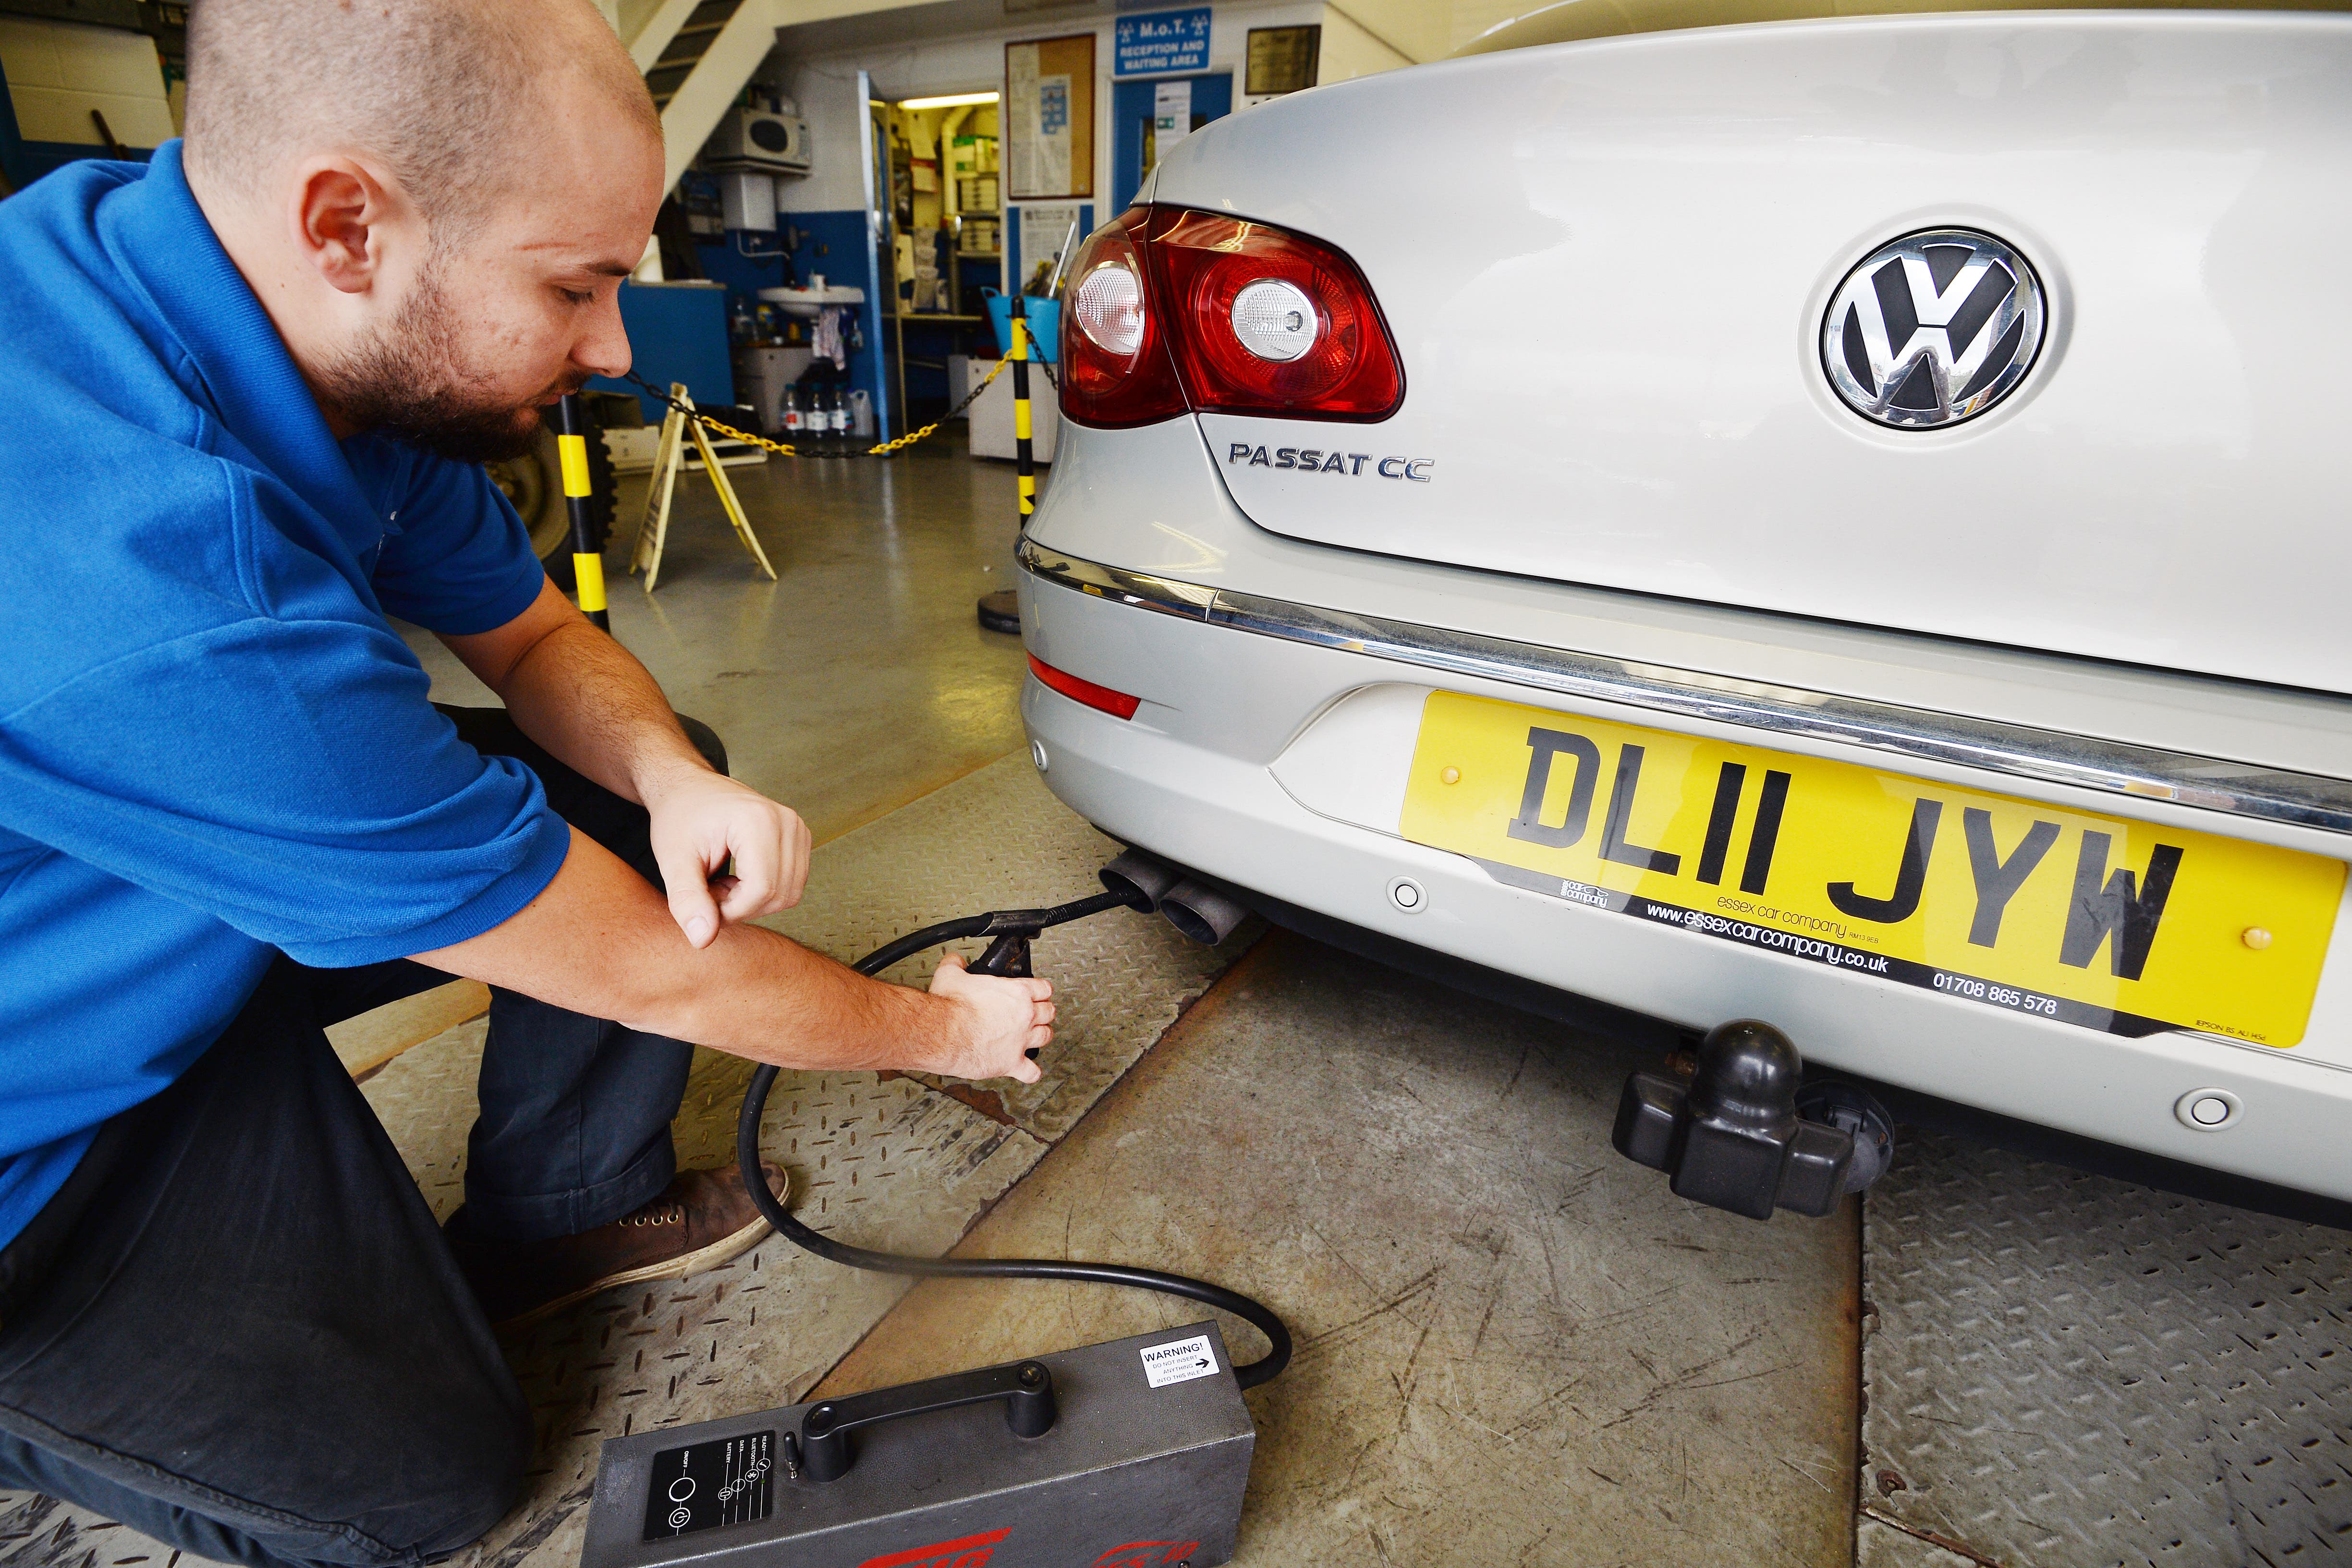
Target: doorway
[1135,113]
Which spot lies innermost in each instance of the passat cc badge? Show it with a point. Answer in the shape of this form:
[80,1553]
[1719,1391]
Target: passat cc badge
[1933,328]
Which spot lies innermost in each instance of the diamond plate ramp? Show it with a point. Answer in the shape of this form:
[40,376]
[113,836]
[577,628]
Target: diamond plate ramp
[425,1098]
[891,1162]
[2071,1372]
[895,1165]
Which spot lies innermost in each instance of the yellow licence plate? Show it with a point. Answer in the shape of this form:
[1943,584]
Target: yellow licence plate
[2111,925]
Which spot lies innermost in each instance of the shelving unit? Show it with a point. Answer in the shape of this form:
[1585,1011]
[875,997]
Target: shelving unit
[956,148]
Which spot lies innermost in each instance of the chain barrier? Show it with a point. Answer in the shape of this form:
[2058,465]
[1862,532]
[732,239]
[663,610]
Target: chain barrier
[970,398]
[782,450]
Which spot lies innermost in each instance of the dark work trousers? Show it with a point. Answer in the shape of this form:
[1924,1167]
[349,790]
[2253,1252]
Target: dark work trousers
[237,1328]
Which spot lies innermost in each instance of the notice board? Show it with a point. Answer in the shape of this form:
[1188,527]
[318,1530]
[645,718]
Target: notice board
[1049,117]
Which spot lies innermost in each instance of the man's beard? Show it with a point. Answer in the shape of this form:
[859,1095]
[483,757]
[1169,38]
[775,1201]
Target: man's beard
[410,381]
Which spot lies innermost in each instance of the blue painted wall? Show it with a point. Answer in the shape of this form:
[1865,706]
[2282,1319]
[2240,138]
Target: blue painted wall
[835,243]
[678,332]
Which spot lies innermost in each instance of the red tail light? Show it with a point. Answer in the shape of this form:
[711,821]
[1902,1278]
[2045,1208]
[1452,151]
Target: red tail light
[1115,369]
[1169,308]
[1118,704]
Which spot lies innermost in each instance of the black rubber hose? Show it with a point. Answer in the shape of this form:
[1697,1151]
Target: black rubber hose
[747,1155]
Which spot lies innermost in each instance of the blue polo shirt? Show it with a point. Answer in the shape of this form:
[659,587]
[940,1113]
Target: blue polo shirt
[214,747]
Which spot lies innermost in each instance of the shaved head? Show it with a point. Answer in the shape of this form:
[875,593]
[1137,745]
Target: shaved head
[446,93]
[435,201]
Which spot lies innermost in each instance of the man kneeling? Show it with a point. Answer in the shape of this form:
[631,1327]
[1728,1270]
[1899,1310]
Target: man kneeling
[247,386]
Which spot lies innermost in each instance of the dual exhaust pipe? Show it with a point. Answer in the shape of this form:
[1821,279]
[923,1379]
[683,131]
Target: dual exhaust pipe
[1201,914]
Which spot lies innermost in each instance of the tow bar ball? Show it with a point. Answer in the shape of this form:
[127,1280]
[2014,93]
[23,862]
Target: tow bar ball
[1738,1138]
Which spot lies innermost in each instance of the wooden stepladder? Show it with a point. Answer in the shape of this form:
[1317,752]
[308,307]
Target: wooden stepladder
[669,456]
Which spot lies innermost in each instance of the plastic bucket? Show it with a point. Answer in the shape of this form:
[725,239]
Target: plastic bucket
[1044,325]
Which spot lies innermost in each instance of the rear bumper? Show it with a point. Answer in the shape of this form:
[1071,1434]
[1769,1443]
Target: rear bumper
[1198,775]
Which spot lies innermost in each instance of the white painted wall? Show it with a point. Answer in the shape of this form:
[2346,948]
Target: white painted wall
[58,71]
[829,101]
[1352,49]
[631,16]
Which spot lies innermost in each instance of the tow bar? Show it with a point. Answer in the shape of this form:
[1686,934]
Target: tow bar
[1747,1135]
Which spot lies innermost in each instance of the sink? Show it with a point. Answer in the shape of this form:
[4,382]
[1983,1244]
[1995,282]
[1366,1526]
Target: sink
[809,301]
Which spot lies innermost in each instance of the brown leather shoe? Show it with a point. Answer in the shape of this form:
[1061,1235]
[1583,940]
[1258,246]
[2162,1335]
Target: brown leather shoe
[701,1219]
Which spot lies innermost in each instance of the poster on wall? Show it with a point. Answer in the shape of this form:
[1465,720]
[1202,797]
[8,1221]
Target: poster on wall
[1045,230]
[1171,117]
[1159,43]
[1049,117]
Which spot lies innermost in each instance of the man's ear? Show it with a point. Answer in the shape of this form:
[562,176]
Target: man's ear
[341,212]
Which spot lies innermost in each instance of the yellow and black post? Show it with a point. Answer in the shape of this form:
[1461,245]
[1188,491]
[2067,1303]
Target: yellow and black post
[573,433]
[1025,469]
[1001,611]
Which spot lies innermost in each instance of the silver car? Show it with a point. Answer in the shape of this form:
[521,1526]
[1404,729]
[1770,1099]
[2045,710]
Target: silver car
[1837,522]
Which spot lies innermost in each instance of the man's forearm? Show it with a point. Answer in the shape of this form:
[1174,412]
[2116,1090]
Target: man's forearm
[579,693]
[597,710]
[599,941]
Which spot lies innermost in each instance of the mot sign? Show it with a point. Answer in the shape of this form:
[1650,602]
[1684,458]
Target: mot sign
[1161,43]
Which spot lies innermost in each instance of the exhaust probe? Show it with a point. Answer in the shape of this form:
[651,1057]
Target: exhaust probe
[1133,881]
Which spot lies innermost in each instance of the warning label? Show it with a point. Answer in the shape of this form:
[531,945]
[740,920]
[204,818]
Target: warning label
[1180,1362]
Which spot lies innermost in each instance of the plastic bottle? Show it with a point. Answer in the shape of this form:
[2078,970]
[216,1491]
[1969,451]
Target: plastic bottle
[788,415]
[838,416]
[820,419]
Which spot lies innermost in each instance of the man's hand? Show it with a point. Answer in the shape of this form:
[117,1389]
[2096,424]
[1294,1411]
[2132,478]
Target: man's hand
[702,818]
[579,693]
[1004,1021]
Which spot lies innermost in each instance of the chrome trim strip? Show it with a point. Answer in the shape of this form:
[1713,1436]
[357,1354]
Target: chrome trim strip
[2265,794]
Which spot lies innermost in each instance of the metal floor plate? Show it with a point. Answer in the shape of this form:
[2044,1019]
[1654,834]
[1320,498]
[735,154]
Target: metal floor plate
[893,1162]
[2070,1372]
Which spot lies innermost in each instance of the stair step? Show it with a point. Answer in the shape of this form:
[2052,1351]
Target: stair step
[687,48]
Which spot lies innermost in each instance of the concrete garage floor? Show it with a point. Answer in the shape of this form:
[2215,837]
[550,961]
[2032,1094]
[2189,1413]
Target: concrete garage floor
[862,679]
[1514,1348]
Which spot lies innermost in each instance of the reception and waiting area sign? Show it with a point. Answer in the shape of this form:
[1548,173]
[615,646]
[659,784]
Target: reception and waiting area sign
[1157,42]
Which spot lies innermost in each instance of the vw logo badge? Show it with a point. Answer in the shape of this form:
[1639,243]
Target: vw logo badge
[1933,328]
